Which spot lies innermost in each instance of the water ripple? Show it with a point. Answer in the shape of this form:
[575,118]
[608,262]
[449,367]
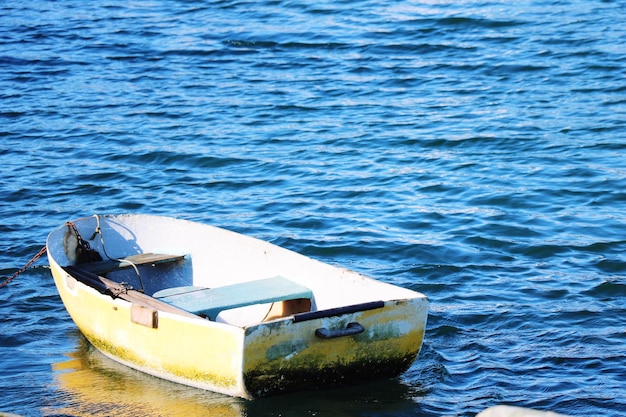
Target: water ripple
[471,151]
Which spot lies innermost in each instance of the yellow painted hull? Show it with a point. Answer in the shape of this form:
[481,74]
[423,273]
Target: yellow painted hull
[253,360]
[193,352]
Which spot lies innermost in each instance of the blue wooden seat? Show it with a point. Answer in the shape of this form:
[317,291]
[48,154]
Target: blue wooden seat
[210,302]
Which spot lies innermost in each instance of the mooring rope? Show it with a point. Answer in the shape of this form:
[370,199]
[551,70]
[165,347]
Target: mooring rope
[24,268]
[87,254]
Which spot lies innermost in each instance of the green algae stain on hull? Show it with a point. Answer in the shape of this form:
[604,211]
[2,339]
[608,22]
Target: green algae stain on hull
[287,356]
[269,382]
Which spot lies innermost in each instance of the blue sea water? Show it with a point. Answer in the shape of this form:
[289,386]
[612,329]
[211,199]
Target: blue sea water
[474,151]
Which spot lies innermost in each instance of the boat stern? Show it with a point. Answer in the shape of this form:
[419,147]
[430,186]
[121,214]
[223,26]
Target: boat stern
[335,347]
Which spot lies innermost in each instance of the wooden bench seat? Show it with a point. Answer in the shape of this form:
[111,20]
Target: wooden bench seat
[210,302]
[102,267]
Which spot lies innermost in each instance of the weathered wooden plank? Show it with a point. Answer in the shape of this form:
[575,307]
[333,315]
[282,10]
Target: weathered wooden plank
[145,316]
[102,267]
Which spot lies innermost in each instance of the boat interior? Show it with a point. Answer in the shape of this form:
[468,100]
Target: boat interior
[213,273]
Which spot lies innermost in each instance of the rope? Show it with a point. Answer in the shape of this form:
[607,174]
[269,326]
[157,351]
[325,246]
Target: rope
[98,231]
[24,268]
[85,253]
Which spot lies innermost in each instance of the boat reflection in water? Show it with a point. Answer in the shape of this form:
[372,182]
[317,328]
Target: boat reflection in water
[90,384]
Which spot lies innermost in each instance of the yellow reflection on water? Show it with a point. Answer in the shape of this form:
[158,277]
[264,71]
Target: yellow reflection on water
[90,384]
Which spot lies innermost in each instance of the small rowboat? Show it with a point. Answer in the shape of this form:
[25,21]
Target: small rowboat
[217,310]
